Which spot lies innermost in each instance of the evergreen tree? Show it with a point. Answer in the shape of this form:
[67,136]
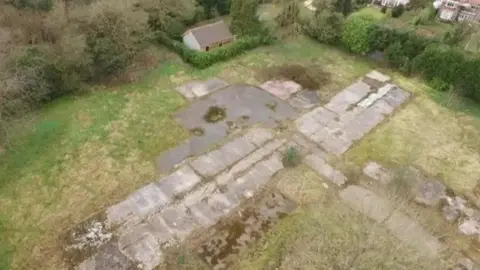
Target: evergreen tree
[244,17]
[290,13]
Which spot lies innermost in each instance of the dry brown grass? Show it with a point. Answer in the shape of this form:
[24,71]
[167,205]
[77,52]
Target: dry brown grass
[440,141]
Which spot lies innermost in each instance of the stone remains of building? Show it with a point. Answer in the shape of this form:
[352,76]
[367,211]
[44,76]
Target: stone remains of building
[206,185]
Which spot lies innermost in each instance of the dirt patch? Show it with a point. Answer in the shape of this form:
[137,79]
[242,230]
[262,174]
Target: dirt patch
[310,77]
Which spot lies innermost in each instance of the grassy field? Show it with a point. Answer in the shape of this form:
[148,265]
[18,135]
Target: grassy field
[404,22]
[83,153]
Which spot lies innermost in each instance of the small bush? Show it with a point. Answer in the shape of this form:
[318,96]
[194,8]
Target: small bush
[311,77]
[291,157]
[383,9]
[356,33]
[325,27]
[397,11]
[439,85]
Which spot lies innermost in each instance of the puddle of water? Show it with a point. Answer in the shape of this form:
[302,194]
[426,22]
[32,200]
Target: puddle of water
[236,235]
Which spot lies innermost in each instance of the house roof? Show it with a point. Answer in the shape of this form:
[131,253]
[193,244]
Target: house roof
[210,33]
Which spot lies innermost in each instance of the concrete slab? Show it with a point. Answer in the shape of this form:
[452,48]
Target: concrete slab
[378,76]
[324,169]
[396,96]
[196,89]
[367,202]
[179,220]
[257,177]
[138,205]
[370,99]
[305,100]
[108,256]
[146,250]
[363,123]
[245,105]
[248,161]
[179,182]
[281,89]
[216,161]
[351,95]
[258,136]
[378,173]
[407,230]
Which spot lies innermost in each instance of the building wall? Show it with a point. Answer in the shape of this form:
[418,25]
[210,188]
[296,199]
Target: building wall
[218,44]
[191,42]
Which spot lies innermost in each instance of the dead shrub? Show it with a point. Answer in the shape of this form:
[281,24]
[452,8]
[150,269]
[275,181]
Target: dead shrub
[311,77]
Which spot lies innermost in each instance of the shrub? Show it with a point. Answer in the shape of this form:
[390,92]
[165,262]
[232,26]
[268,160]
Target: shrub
[325,27]
[440,62]
[40,76]
[206,59]
[173,27]
[397,11]
[291,157]
[383,9]
[40,5]
[395,55]
[355,34]
[458,34]
[468,80]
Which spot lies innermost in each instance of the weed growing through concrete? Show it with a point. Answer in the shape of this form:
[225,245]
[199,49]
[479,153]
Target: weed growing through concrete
[215,114]
[291,157]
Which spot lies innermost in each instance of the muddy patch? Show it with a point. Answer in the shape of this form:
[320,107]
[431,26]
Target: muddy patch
[236,235]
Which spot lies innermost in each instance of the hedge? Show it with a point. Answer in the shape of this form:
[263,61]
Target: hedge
[205,59]
[444,66]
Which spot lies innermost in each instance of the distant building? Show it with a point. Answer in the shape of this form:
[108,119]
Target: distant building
[462,10]
[393,3]
[207,37]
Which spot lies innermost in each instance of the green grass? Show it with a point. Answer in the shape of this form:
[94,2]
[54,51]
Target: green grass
[404,22]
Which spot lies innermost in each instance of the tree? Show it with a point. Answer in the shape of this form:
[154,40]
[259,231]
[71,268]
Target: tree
[458,34]
[397,11]
[289,14]
[244,18]
[326,27]
[343,6]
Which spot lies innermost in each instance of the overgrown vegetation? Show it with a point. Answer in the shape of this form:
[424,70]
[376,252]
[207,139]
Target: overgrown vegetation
[445,66]
[311,77]
[326,27]
[244,18]
[398,10]
[206,59]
